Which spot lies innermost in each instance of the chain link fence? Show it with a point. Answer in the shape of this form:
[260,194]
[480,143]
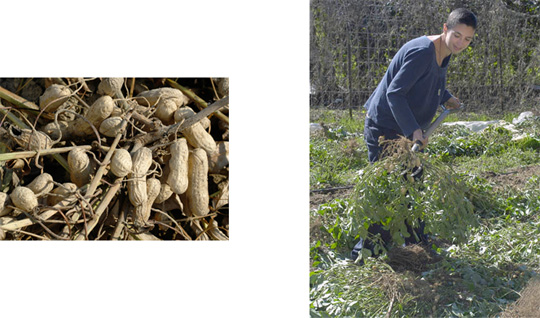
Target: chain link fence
[353,42]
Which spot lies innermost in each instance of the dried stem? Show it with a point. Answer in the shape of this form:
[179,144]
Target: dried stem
[30,154]
[20,102]
[101,208]
[198,101]
[34,235]
[172,228]
[37,220]
[99,174]
[165,131]
[47,212]
[6,111]
[214,88]
[119,225]
[132,87]
[184,234]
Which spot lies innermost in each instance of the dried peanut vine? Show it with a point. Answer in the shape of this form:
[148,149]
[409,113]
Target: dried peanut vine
[121,174]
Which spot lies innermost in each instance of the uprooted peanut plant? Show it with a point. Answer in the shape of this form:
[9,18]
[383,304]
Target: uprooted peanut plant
[114,159]
[405,187]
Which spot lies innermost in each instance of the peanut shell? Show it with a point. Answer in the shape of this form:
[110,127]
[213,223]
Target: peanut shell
[24,198]
[61,193]
[111,126]
[142,159]
[121,163]
[30,140]
[178,166]
[218,160]
[197,192]
[100,110]
[165,110]
[53,97]
[55,131]
[110,85]
[165,193]
[196,135]
[80,166]
[41,185]
[151,97]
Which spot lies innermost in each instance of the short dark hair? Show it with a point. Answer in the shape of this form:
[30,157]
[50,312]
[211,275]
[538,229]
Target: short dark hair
[461,16]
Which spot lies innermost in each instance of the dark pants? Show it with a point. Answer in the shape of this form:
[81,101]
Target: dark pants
[372,132]
[386,238]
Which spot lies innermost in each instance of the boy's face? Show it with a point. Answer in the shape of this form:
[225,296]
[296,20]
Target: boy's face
[458,38]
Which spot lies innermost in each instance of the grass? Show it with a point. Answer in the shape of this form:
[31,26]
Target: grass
[337,153]
[467,116]
[499,164]
[479,277]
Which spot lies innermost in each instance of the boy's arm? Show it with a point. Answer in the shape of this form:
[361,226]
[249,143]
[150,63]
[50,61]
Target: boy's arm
[413,67]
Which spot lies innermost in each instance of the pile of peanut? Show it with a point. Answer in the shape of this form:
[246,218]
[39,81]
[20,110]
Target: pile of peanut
[138,162]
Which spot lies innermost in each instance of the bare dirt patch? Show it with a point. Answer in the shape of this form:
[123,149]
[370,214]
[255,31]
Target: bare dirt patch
[413,258]
[528,305]
[515,178]
[318,198]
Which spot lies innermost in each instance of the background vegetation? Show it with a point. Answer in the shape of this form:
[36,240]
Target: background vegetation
[352,43]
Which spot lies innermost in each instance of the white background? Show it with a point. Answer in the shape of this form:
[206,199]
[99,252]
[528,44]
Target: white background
[263,47]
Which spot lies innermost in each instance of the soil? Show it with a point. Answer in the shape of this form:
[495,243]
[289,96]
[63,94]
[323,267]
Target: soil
[528,305]
[515,178]
[318,198]
[414,258]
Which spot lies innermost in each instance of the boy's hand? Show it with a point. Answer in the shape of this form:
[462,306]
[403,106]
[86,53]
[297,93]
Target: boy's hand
[419,135]
[453,103]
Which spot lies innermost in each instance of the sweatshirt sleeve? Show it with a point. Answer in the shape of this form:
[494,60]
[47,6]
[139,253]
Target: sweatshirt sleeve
[446,96]
[415,64]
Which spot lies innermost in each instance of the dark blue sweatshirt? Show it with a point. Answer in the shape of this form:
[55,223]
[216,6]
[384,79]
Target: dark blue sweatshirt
[410,92]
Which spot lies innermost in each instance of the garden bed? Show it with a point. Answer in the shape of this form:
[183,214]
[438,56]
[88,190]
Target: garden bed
[481,276]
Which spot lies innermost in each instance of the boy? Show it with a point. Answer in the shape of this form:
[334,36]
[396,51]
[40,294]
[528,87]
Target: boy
[412,89]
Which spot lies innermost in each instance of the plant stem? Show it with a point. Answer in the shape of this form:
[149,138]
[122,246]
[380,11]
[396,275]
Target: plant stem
[47,214]
[99,174]
[25,105]
[101,208]
[30,154]
[17,100]
[201,103]
[14,119]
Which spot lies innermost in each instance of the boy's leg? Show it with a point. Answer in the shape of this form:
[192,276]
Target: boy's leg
[373,229]
[372,132]
[422,237]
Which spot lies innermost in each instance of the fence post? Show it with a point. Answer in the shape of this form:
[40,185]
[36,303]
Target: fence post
[501,102]
[349,73]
